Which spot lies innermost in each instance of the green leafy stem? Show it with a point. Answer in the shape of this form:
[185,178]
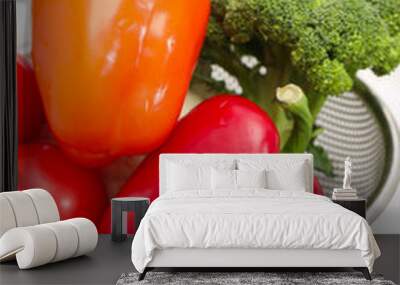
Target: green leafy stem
[295,120]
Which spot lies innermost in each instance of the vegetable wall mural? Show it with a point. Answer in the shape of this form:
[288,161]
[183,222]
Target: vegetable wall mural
[134,58]
[105,86]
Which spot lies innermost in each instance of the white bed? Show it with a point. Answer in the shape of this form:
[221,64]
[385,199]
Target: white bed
[249,227]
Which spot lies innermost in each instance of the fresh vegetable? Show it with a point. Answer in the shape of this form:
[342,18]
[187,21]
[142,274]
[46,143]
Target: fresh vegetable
[221,124]
[317,187]
[77,191]
[293,99]
[30,108]
[113,74]
[115,174]
[316,44]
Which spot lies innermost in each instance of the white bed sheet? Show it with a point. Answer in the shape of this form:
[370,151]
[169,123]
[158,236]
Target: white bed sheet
[252,218]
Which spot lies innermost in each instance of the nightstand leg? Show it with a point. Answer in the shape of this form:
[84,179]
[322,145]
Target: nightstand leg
[116,222]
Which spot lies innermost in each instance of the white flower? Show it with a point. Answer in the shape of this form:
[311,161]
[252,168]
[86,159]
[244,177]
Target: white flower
[262,70]
[231,82]
[249,61]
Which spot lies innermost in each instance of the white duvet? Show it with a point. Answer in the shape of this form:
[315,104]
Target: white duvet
[250,219]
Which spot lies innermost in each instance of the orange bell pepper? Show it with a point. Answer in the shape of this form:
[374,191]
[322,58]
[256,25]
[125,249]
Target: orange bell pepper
[113,73]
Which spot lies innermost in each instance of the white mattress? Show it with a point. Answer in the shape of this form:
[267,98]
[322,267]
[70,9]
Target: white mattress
[251,219]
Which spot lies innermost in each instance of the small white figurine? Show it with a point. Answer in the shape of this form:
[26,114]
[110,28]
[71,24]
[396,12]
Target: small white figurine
[347,174]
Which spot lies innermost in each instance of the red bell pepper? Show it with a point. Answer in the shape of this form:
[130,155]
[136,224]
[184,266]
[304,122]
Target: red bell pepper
[221,124]
[113,73]
[77,191]
[30,108]
[317,187]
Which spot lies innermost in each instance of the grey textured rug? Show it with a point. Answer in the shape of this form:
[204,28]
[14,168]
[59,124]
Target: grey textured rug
[269,278]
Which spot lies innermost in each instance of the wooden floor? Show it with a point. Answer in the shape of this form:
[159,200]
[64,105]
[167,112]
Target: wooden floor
[110,260]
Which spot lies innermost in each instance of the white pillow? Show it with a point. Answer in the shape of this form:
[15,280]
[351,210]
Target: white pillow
[251,178]
[288,175]
[187,177]
[290,180]
[223,179]
[214,163]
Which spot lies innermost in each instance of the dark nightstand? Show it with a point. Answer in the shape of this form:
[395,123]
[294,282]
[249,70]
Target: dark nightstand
[119,209]
[358,206]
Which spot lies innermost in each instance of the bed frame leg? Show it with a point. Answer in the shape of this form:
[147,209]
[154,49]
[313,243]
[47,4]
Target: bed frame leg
[143,274]
[364,271]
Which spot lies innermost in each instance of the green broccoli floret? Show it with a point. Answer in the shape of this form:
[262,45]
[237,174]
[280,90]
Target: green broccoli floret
[389,11]
[318,45]
[347,35]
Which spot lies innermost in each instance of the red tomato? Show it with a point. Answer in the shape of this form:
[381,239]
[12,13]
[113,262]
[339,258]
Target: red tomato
[30,108]
[221,124]
[77,191]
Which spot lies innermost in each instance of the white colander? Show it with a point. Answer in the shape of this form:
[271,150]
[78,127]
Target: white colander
[360,126]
